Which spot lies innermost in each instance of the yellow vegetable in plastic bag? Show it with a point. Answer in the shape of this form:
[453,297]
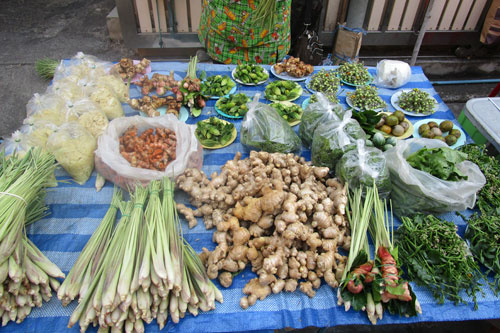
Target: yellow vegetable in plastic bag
[73,146]
[120,89]
[95,122]
[67,90]
[106,99]
[38,132]
[46,107]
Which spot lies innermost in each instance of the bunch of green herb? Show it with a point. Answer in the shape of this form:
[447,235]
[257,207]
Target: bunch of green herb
[417,101]
[332,139]
[354,73]
[233,105]
[264,129]
[314,115]
[214,131]
[483,229]
[46,68]
[437,258]
[290,113]
[325,81]
[363,167]
[367,98]
[282,90]
[217,85]
[488,198]
[250,73]
[440,162]
[367,120]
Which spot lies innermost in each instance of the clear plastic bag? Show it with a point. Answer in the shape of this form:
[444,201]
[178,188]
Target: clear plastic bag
[364,165]
[115,168]
[264,129]
[15,144]
[120,88]
[415,191]
[392,74]
[332,138]
[105,98]
[89,116]
[68,90]
[81,65]
[316,114]
[47,107]
[37,132]
[73,146]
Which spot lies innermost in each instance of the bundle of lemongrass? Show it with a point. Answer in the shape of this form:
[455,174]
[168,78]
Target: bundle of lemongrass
[26,276]
[142,270]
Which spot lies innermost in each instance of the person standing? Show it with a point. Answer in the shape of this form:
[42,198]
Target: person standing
[236,32]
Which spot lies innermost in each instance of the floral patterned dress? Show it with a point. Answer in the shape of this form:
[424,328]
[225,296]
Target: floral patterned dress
[229,36]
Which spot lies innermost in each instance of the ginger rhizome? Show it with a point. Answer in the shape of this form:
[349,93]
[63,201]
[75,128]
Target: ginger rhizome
[276,212]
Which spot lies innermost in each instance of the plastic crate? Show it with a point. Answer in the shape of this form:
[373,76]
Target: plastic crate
[481,120]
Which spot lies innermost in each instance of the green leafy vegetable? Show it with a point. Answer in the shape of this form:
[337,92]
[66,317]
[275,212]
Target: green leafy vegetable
[264,129]
[364,166]
[290,113]
[233,105]
[367,120]
[250,73]
[46,68]
[214,131]
[439,162]
[217,85]
[282,90]
[437,258]
[332,139]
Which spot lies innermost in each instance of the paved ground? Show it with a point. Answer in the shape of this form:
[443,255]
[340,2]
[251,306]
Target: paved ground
[34,29]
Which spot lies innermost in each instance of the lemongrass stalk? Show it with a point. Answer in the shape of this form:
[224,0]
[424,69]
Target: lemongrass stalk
[174,308]
[161,319]
[125,305]
[136,220]
[129,326]
[139,257]
[85,266]
[5,318]
[41,260]
[4,271]
[34,273]
[139,326]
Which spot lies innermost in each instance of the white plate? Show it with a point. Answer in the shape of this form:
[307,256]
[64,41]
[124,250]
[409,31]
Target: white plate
[351,104]
[395,104]
[460,140]
[249,84]
[285,76]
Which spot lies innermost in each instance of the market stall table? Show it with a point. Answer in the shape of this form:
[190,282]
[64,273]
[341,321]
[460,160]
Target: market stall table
[76,211]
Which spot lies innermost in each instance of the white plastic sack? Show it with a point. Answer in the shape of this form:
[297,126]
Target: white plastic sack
[392,74]
[115,168]
[15,144]
[415,191]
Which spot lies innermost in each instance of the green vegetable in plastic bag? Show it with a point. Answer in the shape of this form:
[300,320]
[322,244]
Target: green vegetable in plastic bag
[332,138]
[316,114]
[264,129]
[362,166]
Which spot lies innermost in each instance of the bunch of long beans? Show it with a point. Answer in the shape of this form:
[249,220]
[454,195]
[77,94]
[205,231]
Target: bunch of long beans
[26,276]
[145,269]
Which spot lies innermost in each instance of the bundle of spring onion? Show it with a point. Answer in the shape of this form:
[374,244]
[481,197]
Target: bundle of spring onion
[26,276]
[142,270]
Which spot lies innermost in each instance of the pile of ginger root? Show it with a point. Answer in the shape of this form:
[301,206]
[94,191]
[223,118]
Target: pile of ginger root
[277,212]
